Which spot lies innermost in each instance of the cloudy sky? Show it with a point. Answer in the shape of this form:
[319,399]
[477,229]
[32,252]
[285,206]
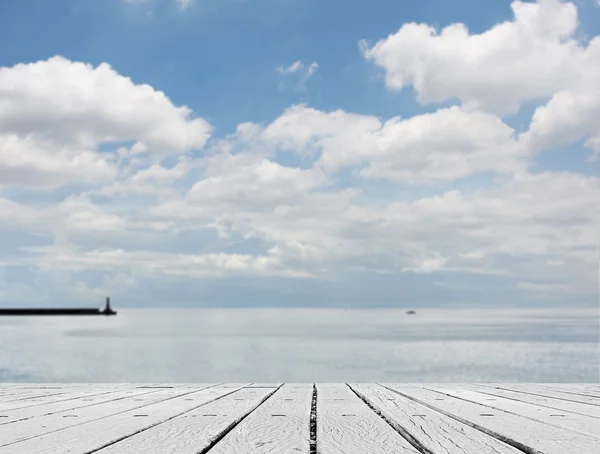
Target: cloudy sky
[299,152]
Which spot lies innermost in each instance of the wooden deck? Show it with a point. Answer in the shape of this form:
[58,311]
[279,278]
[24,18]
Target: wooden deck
[239,418]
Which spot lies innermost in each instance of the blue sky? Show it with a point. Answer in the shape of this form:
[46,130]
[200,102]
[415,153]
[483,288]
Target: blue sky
[299,152]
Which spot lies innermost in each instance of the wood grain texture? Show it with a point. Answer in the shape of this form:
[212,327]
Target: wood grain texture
[513,429]
[232,418]
[90,400]
[194,431]
[24,401]
[111,427]
[32,427]
[549,402]
[346,425]
[548,392]
[579,390]
[280,425]
[432,430]
[582,424]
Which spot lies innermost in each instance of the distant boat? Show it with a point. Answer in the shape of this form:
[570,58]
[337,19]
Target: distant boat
[59,310]
[410,312]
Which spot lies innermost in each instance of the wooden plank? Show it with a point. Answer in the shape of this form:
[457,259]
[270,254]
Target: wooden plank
[429,429]
[280,425]
[515,430]
[557,404]
[75,394]
[13,392]
[346,425]
[574,389]
[545,392]
[195,431]
[265,385]
[557,387]
[35,427]
[33,394]
[50,408]
[99,433]
[556,418]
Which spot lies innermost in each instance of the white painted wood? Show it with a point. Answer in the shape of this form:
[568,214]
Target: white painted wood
[581,390]
[13,392]
[280,425]
[557,404]
[194,431]
[432,430]
[106,413]
[49,408]
[33,394]
[557,418]
[346,425]
[34,427]
[95,434]
[537,436]
[76,393]
[546,392]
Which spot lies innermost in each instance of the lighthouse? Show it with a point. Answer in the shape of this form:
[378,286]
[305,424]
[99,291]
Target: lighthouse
[107,310]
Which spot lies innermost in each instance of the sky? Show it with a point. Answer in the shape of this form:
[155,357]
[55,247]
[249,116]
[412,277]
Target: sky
[299,153]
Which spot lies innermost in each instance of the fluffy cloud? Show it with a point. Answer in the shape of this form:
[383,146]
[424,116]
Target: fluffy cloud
[74,102]
[431,148]
[28,161]
[55,114]
[534,57]
[528,58]
[325,195]
[572,112]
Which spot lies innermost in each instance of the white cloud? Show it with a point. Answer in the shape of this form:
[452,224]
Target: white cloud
[183,4]
[298,73]
[443,146]
[148,264]
[473,255]
[427,265]
[327,195]
[55,114]
[75,103]
[293,68]
[571,113]
[537,287]
[27,161]
[530,57]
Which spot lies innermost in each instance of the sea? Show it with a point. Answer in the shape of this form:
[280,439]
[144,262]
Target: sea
[214,345]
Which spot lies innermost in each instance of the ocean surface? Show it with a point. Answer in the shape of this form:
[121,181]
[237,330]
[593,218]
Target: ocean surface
[304,345]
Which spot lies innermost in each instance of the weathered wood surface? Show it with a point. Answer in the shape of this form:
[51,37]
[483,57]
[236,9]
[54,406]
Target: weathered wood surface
[346,425]
[436,418]
[519,431]
[413,420]
[277,426]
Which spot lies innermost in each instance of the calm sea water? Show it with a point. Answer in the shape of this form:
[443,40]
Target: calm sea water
[303,345]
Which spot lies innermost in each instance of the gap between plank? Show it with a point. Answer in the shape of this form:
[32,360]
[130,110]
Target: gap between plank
[397,427]
[312,446]
[465,399]
[488,393]
[509,441]
[73,408]
[166,420]
[231,426]
[104,417]
[543,395]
